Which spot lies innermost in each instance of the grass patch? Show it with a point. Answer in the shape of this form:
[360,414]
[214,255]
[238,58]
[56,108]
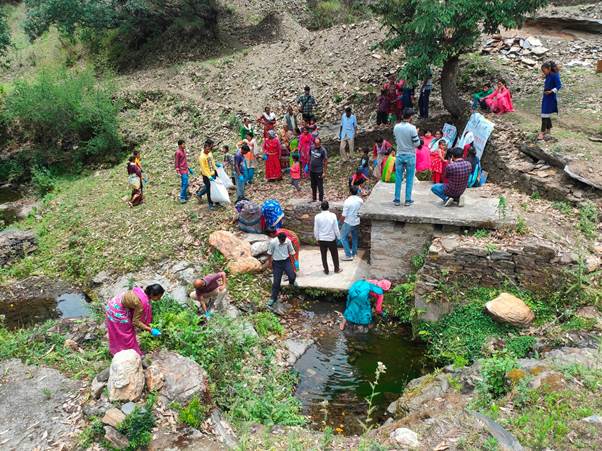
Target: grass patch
[266,323]
[588,219]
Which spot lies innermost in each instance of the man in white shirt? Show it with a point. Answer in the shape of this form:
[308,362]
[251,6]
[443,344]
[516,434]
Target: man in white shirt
[351,224]
[326,233]
[347,133]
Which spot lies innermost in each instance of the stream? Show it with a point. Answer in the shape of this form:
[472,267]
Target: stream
[340,366]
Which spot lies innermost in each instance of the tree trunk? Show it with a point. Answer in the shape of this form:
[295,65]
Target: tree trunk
[449,91]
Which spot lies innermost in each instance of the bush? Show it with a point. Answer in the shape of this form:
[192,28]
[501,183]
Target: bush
[521,346]
[68,118]
[588,219]
[267,323]
[137,427]
[193,414]
[399,301]
[42,180]
[494,372]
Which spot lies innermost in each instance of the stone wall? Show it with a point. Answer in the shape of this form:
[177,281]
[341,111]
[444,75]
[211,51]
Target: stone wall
[393,246]
[299,217]
[16,244]
[453,261]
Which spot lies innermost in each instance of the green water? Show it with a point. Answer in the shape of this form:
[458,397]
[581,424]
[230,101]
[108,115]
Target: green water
[340,366]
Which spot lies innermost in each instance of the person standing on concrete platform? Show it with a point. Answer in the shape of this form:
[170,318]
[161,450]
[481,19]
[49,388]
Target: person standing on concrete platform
[457,174]
[318,162]
[351,223]
[406,137]
[347,133]
[326,233]
[280,251]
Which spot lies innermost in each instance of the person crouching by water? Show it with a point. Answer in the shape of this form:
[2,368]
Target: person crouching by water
[211,288]
[128,311]
[358,309]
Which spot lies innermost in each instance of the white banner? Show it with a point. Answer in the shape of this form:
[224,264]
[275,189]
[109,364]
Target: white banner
[481,128]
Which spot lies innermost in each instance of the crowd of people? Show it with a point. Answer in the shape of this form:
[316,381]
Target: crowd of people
[296,151]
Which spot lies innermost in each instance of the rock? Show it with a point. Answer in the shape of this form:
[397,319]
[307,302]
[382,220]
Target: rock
[222,429]
[249,330]
[128,408]
[405,437]
[183,378]
[101,277]
[113,417]
[126,379]
[510,309]
[229,245]
[244,265]
[592,263]
[255,237]
[296,348]
[72,345]
[506,441]
[533,42]
[260,247]
[96,387]
[539,51]
[16,244]
[528,61]
[117,439]
[418,393]
[594,419]
[180,295]
[154,378]
[548,380]
[103,376]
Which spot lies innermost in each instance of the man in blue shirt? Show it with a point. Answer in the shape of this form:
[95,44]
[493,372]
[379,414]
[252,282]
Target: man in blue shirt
[406,137]
[240,163]
[347,133]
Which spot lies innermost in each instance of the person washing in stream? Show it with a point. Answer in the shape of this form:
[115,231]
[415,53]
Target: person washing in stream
[358,310]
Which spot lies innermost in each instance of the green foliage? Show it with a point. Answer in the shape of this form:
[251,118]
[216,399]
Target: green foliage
[138,425]
[193,414]
[494,372]
[481,233]
[520,346]
[242,373]
[93,433]
[521,226]
[502,207]
[121,28]
[331,12]
[68,118]
[4,33]
[563,207]
[399,301]
[588,219]
[267,323]
[42,180]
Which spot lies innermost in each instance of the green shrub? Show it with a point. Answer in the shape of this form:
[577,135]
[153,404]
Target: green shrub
[68,118]
[4,33]
[588,219]
[42,180]
[399,301]
[193,414]
[520,346]
[137,427]
[494,372]
[267,323]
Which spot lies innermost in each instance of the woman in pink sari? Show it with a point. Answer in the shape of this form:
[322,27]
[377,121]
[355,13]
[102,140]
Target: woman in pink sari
[127,311]
[272,151]
[306,140]
[500,100]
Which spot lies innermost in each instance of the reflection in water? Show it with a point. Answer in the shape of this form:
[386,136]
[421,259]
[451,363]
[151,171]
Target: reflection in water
[339,368]
[73,305]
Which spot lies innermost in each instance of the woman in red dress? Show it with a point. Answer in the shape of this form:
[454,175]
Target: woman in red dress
[272,151]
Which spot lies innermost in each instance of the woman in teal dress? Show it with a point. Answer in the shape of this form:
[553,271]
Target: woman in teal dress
[358,309]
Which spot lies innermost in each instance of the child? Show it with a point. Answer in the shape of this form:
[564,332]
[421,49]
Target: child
[437,161]
[358,179]
[251,156]
[313,127]
[296,171]
[382,108]
[365,163]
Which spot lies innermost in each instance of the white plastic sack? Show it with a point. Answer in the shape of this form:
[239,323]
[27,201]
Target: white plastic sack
[219,193]
[227,181]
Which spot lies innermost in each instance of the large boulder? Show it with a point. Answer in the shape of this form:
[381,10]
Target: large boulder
[230,246]
[244,264]
[182,378]
[260,247]
[126,378]
[16,244]
[507,308]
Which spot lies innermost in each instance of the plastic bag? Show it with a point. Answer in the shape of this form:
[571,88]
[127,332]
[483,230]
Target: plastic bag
[219,193]
[221,174]
[134,181]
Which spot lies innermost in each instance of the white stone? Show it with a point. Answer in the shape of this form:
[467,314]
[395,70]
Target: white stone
[533,42]
[258,248]
[405,437]
[126,378]
[539,51]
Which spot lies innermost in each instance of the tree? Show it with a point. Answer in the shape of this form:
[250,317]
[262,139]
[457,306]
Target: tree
[4,33]
[438,32]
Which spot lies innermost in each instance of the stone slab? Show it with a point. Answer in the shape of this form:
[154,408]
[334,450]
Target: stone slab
[478,211]
[311,274]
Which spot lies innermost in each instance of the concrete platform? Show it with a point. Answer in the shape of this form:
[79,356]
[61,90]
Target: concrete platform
[478,211]
[311,274]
